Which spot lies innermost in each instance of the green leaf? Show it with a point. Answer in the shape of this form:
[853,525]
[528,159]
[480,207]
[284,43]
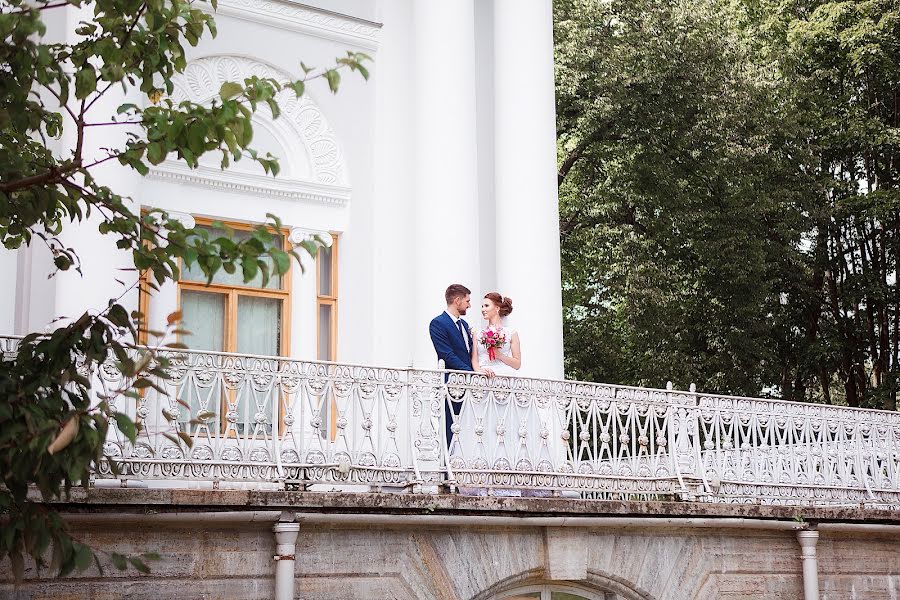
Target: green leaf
[85,81]
[118,561]
[230,90]
[299,88]
[126,426]
[139,564]
[334,80]
[282,261]
[155,153]
[83,556]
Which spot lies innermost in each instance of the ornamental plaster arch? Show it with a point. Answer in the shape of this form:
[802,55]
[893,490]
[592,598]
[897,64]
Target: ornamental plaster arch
[313,164]
[597,584]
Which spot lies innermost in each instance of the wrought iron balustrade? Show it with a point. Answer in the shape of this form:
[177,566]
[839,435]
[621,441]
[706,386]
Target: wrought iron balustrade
[288,423]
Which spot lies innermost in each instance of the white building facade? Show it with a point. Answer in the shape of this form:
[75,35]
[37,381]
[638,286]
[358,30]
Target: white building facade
[440,169]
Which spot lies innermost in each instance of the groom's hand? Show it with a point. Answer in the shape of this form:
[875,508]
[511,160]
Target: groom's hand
[488,372]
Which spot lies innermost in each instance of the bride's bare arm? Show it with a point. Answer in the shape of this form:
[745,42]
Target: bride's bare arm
[514,361]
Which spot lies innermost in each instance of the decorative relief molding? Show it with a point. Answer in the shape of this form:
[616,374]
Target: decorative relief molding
[186,219]
[298,235]
[307,19]
[244,183]
[301,120]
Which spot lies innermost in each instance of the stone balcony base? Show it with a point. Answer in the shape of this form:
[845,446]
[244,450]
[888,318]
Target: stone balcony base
[354,546]
[123,502]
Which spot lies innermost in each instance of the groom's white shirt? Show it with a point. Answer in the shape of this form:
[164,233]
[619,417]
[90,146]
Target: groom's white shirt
[456,324]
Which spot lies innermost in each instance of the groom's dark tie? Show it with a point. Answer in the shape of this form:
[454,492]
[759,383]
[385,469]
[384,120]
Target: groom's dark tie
[459,326]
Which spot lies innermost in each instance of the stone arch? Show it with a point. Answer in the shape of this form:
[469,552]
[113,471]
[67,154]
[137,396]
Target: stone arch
[598,583]
[313,163]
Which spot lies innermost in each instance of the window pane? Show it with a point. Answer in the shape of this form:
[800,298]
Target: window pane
[194,273]
[259,325]
[203,314]
[325,319]
[565,596]
[325,267]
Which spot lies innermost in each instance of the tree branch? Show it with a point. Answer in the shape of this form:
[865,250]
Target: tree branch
[579,150]
[38,8]
[113,123]
[54,175]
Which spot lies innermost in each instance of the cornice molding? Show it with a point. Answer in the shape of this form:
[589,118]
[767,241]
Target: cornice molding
[249,183]
[306,19]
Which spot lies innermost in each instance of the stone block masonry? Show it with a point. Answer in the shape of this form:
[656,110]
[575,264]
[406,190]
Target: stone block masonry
[220,544]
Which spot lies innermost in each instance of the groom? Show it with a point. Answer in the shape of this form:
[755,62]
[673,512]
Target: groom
[452,341]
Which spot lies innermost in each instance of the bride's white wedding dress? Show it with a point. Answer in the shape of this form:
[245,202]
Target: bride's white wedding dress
[500,429]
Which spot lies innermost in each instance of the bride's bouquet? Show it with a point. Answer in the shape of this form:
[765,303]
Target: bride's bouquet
[492,338]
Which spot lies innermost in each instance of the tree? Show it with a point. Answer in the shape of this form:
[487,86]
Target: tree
[51,426]
[676,196]
[843,59]
[729,195]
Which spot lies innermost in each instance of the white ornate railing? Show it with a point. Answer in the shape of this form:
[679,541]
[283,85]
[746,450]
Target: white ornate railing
[298,424]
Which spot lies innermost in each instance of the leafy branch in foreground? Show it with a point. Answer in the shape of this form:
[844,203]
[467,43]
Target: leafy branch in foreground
[53,423]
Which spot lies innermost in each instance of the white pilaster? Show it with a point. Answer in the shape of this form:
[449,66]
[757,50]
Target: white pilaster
[446,202]
[9,272]
[101,262]
[528,268]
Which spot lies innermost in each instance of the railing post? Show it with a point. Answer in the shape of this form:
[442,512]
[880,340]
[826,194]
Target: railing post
[426,392]
[685,434]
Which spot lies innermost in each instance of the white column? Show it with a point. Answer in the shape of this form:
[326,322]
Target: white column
[807,539]
[446,191]
[394,195]
[525,181]
[285,549]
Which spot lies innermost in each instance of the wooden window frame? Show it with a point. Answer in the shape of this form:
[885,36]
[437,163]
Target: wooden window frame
[144,307]
[328,300]
[233,292]
[332,301]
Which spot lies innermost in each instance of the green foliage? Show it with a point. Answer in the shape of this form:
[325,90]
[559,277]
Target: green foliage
[51,426]
[673,223]
[728,207]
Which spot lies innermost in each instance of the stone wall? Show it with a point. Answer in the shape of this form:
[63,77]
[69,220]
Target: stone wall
[475,559]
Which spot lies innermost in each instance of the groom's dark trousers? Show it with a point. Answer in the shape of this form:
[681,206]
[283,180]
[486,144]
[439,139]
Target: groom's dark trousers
[451,348]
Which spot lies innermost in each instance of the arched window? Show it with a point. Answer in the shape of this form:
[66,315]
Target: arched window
[554,592]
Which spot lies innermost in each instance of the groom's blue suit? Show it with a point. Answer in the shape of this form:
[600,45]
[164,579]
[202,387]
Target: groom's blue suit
[451,348]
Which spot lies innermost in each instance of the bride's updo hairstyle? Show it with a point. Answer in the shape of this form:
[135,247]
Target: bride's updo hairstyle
[504,303]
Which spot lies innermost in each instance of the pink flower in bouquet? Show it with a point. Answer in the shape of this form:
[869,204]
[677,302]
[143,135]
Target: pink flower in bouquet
[492,339]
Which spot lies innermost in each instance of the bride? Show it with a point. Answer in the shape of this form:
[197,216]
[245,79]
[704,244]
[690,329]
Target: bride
[507,357]
[500,431]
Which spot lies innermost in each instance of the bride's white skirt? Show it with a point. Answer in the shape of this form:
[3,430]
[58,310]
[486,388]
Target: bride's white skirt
[500,430]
